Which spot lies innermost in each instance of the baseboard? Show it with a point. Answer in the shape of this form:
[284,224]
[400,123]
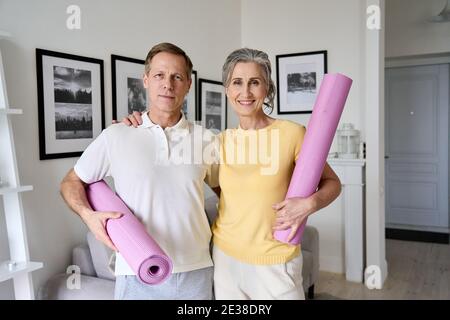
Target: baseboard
[415,235]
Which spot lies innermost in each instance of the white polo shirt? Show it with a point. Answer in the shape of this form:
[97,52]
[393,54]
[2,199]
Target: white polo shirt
[159,174]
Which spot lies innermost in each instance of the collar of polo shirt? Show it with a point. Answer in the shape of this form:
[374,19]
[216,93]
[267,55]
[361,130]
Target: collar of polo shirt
[182,124]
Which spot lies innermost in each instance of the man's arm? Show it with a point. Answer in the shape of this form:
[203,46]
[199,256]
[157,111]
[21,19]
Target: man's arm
[73,192]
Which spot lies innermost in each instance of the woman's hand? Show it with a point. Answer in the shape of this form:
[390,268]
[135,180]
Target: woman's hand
[292,212]
[134,119]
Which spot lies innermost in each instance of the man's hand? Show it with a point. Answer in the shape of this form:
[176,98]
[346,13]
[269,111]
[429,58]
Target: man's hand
[74,193]
[96,222]
[134,119]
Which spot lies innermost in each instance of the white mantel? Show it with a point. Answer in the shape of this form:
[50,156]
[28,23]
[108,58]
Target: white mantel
[340,225]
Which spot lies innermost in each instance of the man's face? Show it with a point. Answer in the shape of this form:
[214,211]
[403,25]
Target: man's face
[167,83]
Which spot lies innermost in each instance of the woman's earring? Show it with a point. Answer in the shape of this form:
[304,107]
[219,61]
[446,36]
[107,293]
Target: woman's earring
[267,108]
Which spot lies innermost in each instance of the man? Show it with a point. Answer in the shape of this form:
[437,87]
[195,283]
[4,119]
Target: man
[166,194]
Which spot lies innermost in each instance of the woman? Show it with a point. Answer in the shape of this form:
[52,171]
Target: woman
[257,161]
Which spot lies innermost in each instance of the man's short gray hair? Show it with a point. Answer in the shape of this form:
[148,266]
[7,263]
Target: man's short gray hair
[169,48]
[250,55]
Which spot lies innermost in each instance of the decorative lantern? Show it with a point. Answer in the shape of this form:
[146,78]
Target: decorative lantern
[348,141]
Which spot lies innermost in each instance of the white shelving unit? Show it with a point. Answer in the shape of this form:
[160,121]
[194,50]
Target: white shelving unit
[10,111]
[10,192]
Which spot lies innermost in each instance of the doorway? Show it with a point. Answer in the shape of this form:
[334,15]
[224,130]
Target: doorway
[417,152]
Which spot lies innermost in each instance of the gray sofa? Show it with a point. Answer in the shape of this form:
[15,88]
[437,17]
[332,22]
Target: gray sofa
[96,280]
[95,262]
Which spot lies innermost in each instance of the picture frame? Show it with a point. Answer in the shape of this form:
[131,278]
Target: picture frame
[213,105]
[190,103]
[128,92]
[70,103]
[299,76]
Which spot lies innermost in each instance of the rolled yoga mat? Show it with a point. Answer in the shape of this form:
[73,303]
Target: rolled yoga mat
[140,251]
[316,144]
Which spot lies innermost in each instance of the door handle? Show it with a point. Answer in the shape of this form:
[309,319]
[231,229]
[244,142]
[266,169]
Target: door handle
[386,157]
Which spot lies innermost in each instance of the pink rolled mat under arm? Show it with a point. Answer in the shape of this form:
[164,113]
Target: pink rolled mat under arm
[140,251]
[316,144]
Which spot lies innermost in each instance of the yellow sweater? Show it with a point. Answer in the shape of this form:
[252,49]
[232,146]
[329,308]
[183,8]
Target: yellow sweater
[255,171]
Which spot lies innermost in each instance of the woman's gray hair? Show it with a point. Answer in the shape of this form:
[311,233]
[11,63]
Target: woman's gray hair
[251,55]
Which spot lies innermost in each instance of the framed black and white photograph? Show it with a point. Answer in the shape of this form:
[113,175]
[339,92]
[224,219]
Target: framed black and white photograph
[128,92]
[213,105]
[299,76]
[190,102]
[70,103]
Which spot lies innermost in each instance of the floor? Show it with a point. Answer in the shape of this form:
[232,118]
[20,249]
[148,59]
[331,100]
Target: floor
[416,270]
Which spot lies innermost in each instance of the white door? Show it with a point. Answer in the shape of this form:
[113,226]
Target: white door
[417,115]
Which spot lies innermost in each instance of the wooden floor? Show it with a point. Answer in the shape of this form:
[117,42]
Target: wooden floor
[416,270]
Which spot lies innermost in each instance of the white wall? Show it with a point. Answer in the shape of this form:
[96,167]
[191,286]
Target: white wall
[290,26]
[206,30]
[409,33]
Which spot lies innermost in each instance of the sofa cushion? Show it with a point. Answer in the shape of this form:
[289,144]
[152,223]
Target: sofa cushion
[91,288]
[81,257]
[101,256]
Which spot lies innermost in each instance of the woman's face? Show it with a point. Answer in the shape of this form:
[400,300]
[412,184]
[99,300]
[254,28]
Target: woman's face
[247,89]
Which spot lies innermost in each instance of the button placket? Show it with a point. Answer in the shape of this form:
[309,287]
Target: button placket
[163,147]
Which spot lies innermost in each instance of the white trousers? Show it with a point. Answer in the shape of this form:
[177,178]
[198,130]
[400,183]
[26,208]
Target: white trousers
[235,280]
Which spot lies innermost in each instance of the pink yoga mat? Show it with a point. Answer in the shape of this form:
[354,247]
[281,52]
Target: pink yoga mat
[140,251]
[317,142]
